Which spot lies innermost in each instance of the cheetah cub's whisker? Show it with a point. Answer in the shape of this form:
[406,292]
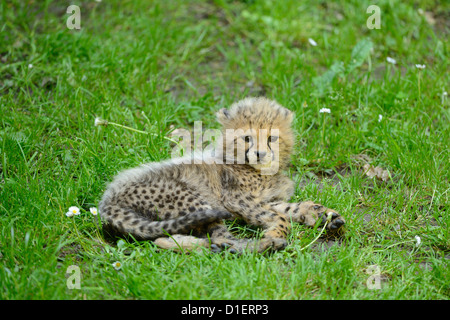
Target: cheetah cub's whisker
[189,201]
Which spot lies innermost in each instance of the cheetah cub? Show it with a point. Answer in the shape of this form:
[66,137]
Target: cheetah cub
[182,204]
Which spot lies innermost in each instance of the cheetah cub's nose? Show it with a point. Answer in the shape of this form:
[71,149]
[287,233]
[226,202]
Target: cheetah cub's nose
[260,154]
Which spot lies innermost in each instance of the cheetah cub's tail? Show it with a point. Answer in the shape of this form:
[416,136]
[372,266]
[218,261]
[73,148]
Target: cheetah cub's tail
[118,220]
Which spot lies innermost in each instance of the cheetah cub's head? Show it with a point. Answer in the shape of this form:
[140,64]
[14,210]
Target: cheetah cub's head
[257,132]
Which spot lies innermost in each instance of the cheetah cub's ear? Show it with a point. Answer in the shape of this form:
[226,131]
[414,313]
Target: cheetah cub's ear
[223,115]
[288,116]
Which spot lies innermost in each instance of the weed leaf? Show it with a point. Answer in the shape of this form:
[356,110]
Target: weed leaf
[360,53]
[323,82]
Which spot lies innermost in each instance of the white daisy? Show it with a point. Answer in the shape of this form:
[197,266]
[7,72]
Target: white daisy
[30,66]
[69,214]
[391,60]
[418,241]
[93,210]
[312,42]
[420,66]
[117,265]
[325,110]
[100,122]
[74,210]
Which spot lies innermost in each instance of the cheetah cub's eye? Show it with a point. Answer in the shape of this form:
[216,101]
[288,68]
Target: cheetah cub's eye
[272,138]
[247,139]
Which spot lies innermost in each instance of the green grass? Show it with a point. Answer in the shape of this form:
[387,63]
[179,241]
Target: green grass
[155,65]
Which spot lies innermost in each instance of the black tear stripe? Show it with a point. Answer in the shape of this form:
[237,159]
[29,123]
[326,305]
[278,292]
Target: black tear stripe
[247,150]
[271,151]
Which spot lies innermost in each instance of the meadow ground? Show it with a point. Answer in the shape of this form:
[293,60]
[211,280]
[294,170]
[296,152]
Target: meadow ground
[160,65]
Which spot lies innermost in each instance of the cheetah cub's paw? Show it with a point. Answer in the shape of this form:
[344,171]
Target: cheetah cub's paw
[272,244]
[232,245]
[336,220]
[249,245]
[309,213]
[319,212]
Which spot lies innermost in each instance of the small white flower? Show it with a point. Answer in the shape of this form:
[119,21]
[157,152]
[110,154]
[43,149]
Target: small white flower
[420,66]
[100,122]
[30,66]
[69,214]
[380,117]
[325,110]
[93,210]
[312,42]
[117,265]
[418,241]
[74,210]
[391,60]
[444,97]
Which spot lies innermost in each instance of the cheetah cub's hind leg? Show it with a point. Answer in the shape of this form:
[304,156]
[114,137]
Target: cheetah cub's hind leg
[218,238]
[182,243]
[222,239]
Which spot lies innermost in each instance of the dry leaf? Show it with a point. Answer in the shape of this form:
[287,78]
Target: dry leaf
[376,172]
[429,17]
[361,158]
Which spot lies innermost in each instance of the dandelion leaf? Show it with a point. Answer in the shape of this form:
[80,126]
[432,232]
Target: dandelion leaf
[323,82]
[360,53]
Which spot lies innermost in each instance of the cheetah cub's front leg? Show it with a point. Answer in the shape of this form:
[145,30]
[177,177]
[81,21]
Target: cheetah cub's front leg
[276,225]
[308,213]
